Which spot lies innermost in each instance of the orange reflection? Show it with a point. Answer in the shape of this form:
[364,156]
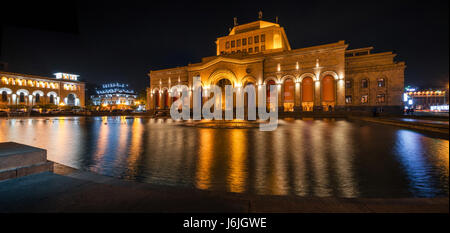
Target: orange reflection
[136,145]
[237,175]
[279,178]
[205,157]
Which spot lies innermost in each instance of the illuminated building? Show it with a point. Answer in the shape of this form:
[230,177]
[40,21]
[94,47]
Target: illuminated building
[23,89]
[318,78]
[426,100]
[114,96]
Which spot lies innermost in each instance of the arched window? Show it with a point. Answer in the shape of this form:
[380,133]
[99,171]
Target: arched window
[268,84]
[328,93]
[289,94]
[22,97]
[38,98]
[52,99]
[4,96]
[307,94]
[307,90]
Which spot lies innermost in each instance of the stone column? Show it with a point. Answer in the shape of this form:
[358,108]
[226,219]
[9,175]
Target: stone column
[317,93]
[340,92]
[297,96]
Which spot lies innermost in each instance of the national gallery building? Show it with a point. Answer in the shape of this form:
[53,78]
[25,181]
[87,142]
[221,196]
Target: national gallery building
[320,78]
[29,90]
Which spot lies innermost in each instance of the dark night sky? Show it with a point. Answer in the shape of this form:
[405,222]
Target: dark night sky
[122,41]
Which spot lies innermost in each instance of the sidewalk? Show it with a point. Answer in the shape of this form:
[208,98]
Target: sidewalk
[71,190]
[435,126]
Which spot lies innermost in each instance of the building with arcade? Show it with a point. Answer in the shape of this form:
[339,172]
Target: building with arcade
[30,90]
[327,77]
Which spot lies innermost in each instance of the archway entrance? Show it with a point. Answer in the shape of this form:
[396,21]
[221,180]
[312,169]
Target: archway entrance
[156,99]
[22,97]
[249,84]
[307,94]
[52,99]
[289,94]
[37,98]
[268,84]
[4,96]
[222,83]
[71,100]
[328,93]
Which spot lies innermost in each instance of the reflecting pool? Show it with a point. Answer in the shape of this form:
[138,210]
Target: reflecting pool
[308,157]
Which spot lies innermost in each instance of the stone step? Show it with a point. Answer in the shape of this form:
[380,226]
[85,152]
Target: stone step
[25,171]
[14,155]
[17,160]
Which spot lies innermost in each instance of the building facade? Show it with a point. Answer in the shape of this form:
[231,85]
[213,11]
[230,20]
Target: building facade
[30,90]
[319,78]
[114,96]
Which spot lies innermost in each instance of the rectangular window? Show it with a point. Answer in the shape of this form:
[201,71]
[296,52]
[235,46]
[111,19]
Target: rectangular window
[227,45]
[348,99]
[364,99]
[348,84]
[256,39]
[233,44]
[238,43]
[244,41]
[250,40]
[250,50]
[263,38]
[256,49]
[244,50]
[238,51]
[263,48]
[380,98]
[380,82]
[364,83]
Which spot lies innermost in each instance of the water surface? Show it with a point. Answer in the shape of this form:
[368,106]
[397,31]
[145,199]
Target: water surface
[301,157]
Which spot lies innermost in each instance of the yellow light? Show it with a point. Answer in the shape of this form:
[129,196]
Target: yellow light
[104,105]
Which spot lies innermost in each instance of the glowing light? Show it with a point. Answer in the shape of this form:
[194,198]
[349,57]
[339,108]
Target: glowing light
[66,76]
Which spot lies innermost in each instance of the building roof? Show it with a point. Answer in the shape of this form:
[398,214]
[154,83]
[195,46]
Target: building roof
[37,77]
[251,27]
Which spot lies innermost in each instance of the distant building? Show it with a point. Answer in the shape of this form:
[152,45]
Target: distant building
[114,96]
[427,99]
[24,89]
[316,78]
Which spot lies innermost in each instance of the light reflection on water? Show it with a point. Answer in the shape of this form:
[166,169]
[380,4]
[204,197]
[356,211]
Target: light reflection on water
[302,157]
